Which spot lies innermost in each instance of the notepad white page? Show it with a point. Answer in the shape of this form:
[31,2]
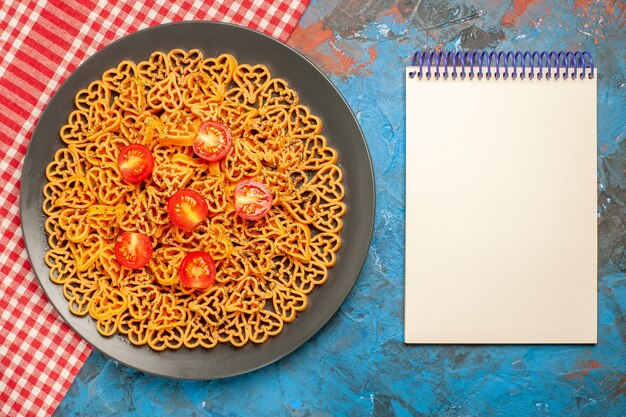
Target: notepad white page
[501,218]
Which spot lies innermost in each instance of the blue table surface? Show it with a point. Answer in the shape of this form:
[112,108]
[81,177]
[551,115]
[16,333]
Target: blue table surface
[358,365]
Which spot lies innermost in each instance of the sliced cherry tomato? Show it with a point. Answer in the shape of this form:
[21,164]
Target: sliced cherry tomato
[213,142]
[187,209]
[197,270]
[253,199]
[136,163]
[133,249]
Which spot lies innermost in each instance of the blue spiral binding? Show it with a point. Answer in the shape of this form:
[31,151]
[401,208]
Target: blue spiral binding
[494,64]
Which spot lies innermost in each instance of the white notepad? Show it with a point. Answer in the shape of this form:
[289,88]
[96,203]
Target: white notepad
[501,217]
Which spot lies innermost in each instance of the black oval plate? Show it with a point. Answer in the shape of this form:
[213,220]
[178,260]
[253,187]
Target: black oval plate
[340,128]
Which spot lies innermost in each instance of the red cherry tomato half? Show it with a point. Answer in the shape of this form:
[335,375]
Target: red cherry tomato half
[253,199]
[136,163]
[197,270]
[213,142]
[133,249]
[187,209]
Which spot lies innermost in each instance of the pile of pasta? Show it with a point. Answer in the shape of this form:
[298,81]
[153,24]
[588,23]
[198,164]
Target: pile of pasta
[266,269]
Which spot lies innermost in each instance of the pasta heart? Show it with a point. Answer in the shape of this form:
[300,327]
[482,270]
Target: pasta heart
[102,119]
[94,93]
[110,265]
[74,223]
[283,270]
[241,163]
[136,330]
[277,93]
[184,63]
[167,337]
[141,128]
[61,264]
[302,123]
[268,124]
[287,302]
[250,81]
[164,264]
[117,79]
[167,313]
[104,149]
[104,220]
[247,298]
[66,164]
[211,305]
[258,254]
[135,217]
[142,300]
[157,206]
[52,191]
[107,302]
[220,69]
[106,183]
[263,325]
[295,242]
[172,176]
[302,205]
[76,130]
[217,244]
[192,239]
[327,183]
[317,154]
[107,213]
[76,193]
[324,247]
[200,333]
[131,98]
[79,293]
[236,329]
[202,91]
[165,95]
[155,69]
[270,144]
[212,189]
[307,277]
[141,296]
[88,251]
[179,129]
[107,327]
[329,217]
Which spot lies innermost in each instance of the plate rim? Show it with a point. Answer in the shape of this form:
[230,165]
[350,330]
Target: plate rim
[361,259]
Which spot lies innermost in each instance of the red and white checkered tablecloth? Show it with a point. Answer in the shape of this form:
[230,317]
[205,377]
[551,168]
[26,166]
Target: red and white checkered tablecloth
[41,43]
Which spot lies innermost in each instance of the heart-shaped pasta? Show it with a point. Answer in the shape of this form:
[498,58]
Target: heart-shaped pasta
[61,266]
[102,119]
[200,333]
[76,131]
[265,268]
[107,302]
[263,325]
[155,69]
[117,79]
[288,301]
[250,81]
[220,69]
[131,98]
[165,95]
[184,63]
[277,93]
[302,124]
[66,164]
[87,97]
[76,193]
